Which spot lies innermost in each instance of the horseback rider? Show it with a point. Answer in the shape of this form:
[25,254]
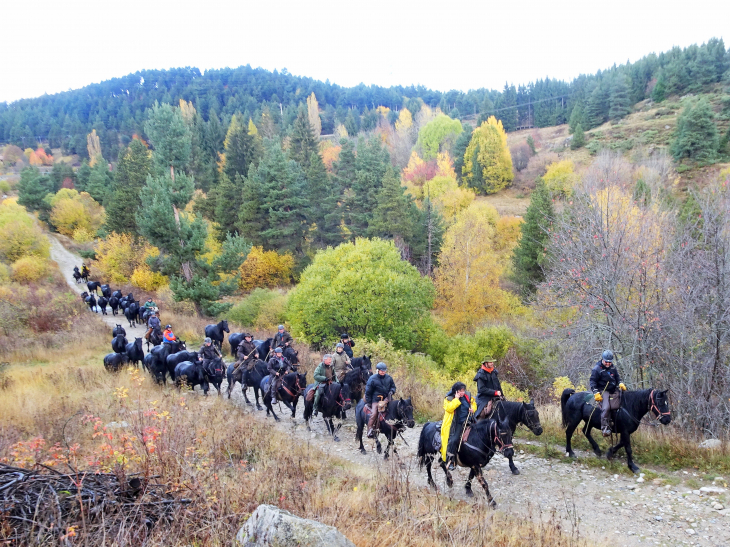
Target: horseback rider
[324,374]
[380,387]
[168,337]
[458,406]
[207,352]
[347,343]
[246,354]
[76,270]
[278,366]
[605,379]
[149,305]
[84,271]
[282,339]
[340,362]
[488,385]
[153,324]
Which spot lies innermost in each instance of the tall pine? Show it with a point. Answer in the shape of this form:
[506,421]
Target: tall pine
[302,143]
[620,101]
[122,207]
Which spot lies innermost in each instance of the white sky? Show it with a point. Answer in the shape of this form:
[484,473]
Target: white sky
[54,45]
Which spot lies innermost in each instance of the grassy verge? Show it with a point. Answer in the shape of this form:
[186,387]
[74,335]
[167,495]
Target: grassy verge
[207,449]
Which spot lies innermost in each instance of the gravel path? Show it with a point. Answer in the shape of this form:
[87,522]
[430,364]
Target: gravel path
[615,510]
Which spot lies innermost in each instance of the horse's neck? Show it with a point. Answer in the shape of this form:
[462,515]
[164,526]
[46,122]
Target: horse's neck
[639,403]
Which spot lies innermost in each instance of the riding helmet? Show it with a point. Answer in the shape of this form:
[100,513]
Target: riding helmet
[207,340]
[278,350]
[344,335]
[607,356]
[340,345]
[247,335]
[381,366]
[168,326]
[281,327]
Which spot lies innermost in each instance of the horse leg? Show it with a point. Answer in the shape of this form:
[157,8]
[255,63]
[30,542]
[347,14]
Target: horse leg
[387,449]
[568,438]
[429,460]
[626,440]
[467,486]
[513,467]
[334,431]
[378,446]
[358,433]
[587,432]
[449,478]
[256,394]
[483,482]
[270,407]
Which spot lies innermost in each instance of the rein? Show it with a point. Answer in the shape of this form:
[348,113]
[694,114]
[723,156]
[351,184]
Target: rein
[652,407]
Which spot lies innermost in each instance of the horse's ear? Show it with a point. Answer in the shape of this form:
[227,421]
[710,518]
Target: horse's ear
[664,392]
[532,402]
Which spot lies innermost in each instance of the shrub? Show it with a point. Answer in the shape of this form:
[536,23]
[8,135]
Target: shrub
[513,393]
[83,235]
[71,210]
[4,186]
[465,352]
[144,278]
[4,274]
[521,154]
[265,269]
[30,269]
[254,305]
[20,235]
[560,177]
[562,383]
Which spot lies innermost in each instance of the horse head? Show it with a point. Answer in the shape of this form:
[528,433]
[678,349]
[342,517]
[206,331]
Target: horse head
[224,326]
[405,412]
[365,374]
[502,437]
[531,418]
[301,382]
[345,397]
[659,405]
[367,362]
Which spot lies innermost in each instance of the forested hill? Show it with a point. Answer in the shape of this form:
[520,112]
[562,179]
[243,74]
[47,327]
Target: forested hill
[116,108]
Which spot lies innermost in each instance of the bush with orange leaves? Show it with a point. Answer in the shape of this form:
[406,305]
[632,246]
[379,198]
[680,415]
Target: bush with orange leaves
[120,260]
[265,269]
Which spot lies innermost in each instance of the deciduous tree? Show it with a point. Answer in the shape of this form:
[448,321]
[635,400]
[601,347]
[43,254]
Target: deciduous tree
[487,161]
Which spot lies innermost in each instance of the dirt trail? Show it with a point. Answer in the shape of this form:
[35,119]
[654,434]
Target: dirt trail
[66,261]
[608,509]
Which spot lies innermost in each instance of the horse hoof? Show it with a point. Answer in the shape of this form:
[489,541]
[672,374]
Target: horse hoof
[450,482]
[336,439]
[363,451]
[515,471]
[380,450]
[634,468]
[469,493]
[493,504]
[433,485]
[609,455]
[277,419]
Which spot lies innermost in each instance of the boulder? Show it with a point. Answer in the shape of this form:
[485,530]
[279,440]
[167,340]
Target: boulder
[711,443]
[270,526]
[712,490]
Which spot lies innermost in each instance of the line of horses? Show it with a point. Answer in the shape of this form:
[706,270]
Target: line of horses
[116,301]
[481,441]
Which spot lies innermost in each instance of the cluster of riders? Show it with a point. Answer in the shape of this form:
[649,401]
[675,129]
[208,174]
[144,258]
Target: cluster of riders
[473,429]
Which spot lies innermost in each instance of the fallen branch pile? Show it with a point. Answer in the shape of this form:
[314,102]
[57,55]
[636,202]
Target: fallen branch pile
[42,506]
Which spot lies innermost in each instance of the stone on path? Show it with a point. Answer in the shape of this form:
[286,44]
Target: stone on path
[712,490]
[711,443]
[270,526]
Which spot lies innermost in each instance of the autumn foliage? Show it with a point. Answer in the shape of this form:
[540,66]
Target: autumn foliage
[265,269]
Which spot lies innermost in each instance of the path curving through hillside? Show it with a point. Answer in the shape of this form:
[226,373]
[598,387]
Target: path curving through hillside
[607,509]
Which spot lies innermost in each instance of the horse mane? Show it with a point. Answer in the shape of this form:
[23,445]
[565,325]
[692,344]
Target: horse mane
[636,403]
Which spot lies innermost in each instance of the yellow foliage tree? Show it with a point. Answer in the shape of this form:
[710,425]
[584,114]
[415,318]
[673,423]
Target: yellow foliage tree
[487,160]
[20,235]
[447,196]
[71,210]
[340,132]
[467,279]
[252,129]
[265,269]
[404,121]
[116,257]
[187,111]
[143,277]
[445,165]
[30,269]
[383,111]
[313,113]
[93,147]
[560,177]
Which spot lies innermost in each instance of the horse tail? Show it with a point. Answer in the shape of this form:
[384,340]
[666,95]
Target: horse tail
[423,450]
[567,392]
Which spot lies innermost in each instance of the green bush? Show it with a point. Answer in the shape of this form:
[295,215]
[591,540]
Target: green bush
[263,307]
[4,186]
[465,352]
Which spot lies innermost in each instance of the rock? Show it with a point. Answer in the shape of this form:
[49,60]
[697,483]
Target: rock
[657,517]
[696,492]
[690,531]
[712,490]
[718,506]
[271,526]
[116,425]
[631,487]
[640,479]
[711,443]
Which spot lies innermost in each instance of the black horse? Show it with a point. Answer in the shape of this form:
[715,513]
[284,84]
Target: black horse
[518,413]
[191,374]
[119,330]
[117,294]
[157,362]
[215,369]
[486,438]
[235,339]
[292,386]
[264,347]
[92,286]
[155,338]
[106,291]
[102,302]
[114,362]
[119,344]
[131,313]
[174,359]
[393,421]
[578,407]
[335,400]
[91,302]
[247,378]
[355,380]
[77,275]
[134,352]
[217,333]
[114,304]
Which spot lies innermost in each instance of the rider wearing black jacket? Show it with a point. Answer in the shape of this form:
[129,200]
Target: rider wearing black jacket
[488,384]
[605,379]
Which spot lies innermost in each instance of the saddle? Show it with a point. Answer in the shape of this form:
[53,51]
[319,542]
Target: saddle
[465,435]
[310,395]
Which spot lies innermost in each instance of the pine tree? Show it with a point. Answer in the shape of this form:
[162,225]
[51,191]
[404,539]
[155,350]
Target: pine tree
[228,202]
[576,117]
[696,134]
[100,181]
[659,93]
[507,106]
[32,188]
[529,255]
[460,146]
[395,213]
[579,138]
[302,141]
[133,168]
[240,149]
[370,165]
[620,102]
[325,197]
[596,111]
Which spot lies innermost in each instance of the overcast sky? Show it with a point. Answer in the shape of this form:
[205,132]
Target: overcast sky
[55,45]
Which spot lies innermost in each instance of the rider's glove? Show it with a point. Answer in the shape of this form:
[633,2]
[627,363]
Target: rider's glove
[598,397]
[622,387]
[497,393]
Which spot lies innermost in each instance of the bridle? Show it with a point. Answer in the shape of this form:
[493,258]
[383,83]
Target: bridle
[653,407]
[527,421]
[498,440]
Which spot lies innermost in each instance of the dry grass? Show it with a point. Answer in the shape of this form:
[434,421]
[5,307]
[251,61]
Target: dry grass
[210,451]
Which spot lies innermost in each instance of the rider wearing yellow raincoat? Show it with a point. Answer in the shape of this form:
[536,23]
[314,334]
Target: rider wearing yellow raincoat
[458,404]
